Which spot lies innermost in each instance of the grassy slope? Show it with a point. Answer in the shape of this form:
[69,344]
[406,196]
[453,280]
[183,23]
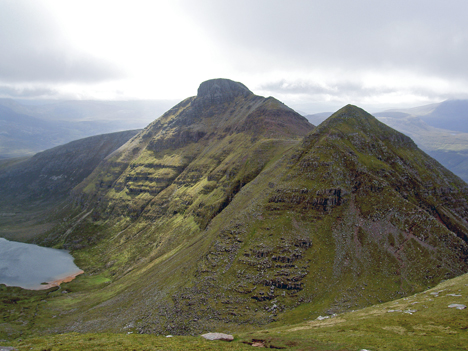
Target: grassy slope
[419,322]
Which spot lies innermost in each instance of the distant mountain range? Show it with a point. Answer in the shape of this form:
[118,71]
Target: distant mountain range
[441,130]
[232,211]
[27,127]
[32,186]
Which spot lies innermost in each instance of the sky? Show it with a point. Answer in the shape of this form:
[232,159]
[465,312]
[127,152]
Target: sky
[313,55]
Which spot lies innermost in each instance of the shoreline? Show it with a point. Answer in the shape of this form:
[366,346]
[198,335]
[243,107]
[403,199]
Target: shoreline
[57,282]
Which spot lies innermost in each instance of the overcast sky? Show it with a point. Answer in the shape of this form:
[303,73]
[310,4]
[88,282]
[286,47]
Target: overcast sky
[313,55]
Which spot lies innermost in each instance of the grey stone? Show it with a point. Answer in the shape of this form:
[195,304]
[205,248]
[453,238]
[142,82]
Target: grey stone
[321,318]
[7,348]
[217,91]
[410,311]
[218,336]
[458,306]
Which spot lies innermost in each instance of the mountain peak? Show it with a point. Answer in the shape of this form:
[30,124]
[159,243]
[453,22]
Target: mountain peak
[351,112]
[351,119]
[221,90]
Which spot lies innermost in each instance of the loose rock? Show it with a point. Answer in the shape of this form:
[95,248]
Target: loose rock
[218,336]
[258,344]
[321,318]
[458,306]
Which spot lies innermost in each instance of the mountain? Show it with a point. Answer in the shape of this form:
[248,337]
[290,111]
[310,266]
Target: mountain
[27,128]
[449,114]
[231,210]
[438,129]
[21,135]
[29,187]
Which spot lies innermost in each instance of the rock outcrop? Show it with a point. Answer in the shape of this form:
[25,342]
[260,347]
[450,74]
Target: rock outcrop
[218,91]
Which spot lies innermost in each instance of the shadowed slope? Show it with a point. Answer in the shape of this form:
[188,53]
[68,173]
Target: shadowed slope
[31,187]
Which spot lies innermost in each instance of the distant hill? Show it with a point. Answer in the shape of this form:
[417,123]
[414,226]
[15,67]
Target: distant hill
[29,127]
[318,118]
[21,134]
[451,114]
[441,130]
[29,187]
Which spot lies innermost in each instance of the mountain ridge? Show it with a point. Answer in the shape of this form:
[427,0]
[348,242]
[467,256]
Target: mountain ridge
[449,145]
[232,213]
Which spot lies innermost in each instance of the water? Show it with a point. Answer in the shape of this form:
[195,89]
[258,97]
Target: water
[28,265]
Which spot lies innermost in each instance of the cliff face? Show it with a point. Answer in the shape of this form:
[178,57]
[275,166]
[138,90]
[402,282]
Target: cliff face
[222,212]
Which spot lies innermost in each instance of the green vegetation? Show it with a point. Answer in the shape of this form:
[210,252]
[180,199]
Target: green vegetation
[124,342]
[422,321]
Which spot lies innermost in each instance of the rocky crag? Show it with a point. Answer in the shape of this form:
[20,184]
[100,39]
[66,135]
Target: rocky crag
[231,209]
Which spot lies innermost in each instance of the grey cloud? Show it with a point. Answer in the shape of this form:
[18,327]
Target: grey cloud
[340,89]
[427,37]
[312,97]
[27,92]
[32,49]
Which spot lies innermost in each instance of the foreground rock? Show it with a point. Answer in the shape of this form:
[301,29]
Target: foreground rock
[458,306]
[218,336]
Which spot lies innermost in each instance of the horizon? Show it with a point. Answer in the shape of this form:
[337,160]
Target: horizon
[312,56]
[47,101]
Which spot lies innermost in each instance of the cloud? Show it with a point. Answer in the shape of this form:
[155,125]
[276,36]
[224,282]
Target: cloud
[258,36]
[15,91]
[302,50]
[371,92]
[343,89]
[33,50]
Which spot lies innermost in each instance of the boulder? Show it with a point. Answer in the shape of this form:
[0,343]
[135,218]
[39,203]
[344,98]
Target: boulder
[458,306]
[218,336]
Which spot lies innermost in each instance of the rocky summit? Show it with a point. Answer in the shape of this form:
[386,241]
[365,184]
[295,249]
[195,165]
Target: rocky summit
[217,91]
[232,210]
